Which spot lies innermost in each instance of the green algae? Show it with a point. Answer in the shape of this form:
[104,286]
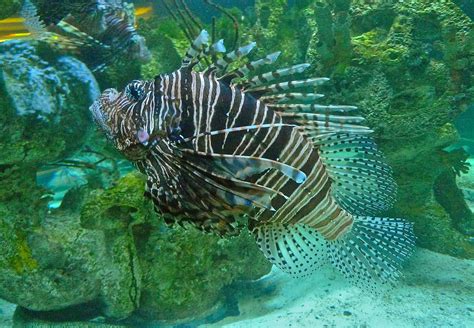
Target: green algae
[9,8]
[23,261]
[187,271]
[116,208]
[167,44]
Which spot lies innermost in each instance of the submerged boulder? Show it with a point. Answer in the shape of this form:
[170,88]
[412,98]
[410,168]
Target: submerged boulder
[182,270]
[115,256]
[44,101]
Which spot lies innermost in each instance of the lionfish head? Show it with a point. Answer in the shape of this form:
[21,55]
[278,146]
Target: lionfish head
[126,118]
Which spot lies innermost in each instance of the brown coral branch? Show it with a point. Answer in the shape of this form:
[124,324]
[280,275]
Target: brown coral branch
[213,32]
[183,18]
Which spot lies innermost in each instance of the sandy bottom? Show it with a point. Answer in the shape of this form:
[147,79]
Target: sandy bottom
[436,291]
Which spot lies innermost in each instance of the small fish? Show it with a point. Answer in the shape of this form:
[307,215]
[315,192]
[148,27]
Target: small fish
[222,142]
[70,42]
[111,35]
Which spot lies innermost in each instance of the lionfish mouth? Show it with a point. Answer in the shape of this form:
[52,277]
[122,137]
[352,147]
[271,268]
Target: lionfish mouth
[99,109]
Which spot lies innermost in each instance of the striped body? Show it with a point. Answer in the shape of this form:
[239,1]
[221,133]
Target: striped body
[196,103]
[309,176]
[309,202]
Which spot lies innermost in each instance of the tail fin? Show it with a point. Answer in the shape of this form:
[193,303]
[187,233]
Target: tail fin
[370,255]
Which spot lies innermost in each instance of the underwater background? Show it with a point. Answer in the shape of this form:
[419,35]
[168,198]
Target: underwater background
[80,245]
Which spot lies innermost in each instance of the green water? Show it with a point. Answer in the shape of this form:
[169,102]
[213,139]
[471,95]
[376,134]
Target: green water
[80,242]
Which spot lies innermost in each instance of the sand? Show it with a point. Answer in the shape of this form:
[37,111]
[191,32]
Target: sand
[436,291]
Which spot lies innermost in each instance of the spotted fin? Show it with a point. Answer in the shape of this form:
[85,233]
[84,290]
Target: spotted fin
[32,21]
[297,250]
[371,254]
[225,183]
[247,194]
[363,181]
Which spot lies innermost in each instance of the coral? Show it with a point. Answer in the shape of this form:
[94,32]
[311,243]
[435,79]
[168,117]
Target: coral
[418,167]
[193,285]
[49,262]
[449,196]
[9,8]
[409,74]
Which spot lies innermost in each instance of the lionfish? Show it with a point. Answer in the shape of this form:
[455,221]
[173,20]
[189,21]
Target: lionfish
[224,141]
[106,32]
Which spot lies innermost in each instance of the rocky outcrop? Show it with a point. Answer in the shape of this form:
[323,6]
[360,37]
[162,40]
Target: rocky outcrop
[180,272]
[114,255]
[44,101]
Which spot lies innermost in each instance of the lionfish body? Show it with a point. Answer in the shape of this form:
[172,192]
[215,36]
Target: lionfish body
[217,144]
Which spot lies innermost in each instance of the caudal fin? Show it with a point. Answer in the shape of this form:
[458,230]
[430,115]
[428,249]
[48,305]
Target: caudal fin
[371,254]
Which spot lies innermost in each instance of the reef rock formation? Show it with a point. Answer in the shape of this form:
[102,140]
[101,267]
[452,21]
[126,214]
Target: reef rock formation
[409,73]
[180,272]
[115,256]
[44,101]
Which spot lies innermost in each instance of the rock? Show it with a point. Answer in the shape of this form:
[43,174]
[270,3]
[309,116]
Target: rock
[115,255]
[61,265]
[49,262]
[183,271]
[43,103]
[26,318]
[409,75]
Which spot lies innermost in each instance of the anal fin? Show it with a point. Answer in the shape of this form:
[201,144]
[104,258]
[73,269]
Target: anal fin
[297,250]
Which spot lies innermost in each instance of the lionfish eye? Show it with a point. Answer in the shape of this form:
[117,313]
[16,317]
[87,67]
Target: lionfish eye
[135,90]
